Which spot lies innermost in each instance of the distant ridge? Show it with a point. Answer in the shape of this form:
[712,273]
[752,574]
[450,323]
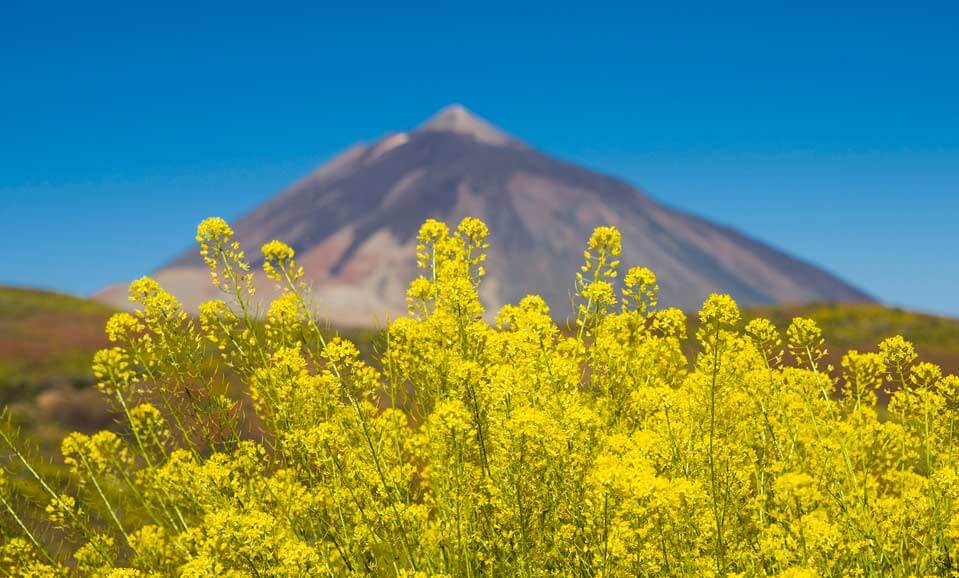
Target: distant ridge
[353,223]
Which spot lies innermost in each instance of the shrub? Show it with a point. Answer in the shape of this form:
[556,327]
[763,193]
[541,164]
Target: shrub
[507,449]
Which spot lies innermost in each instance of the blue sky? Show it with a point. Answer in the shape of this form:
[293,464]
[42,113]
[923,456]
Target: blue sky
[828,129]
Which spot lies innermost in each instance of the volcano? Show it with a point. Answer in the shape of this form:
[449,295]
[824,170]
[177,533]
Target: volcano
[353,224]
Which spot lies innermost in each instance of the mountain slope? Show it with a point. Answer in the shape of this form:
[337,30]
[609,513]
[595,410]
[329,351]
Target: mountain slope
[353,223]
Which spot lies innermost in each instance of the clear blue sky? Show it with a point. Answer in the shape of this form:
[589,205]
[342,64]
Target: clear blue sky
[831,132]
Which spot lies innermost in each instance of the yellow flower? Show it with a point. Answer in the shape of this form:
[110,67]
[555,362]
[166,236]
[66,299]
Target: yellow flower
[148,424]
[61,510]
[606,239]
[277,251]
[719,311]
[429,235]
[213,230]
[97,555]
[474,230]
[113,370]
[340,350]
[284,310]
[421,293]
[796,490]
[897,352]
[157,304]
[639,289]
[123,327]
[670,322]
[449,446]
[765,337]
[222,254]
[805,341]
[277,259]
[864,372]
[925,375]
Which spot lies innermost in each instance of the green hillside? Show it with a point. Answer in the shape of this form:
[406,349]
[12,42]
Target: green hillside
[46,339]
[863,326]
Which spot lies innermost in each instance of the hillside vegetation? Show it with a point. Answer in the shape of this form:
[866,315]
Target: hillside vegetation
[47,339]
[47,342]
[862,326]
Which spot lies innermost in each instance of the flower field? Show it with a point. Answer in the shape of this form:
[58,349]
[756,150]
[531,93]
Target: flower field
[617,446]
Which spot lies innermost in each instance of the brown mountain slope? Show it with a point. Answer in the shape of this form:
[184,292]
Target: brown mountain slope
[353,224]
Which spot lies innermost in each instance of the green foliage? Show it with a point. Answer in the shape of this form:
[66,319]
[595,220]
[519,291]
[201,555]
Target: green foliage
[475,449]
[18,303]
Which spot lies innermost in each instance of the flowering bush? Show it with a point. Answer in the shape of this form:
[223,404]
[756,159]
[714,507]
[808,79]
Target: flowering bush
[506,449]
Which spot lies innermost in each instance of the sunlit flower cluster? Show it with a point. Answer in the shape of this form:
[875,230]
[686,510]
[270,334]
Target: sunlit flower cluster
[267,446]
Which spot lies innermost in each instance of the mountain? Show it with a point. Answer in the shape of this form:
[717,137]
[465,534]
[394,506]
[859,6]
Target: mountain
[353,224]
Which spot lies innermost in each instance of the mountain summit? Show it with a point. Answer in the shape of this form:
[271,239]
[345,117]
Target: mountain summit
[456,119]
[353,224]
